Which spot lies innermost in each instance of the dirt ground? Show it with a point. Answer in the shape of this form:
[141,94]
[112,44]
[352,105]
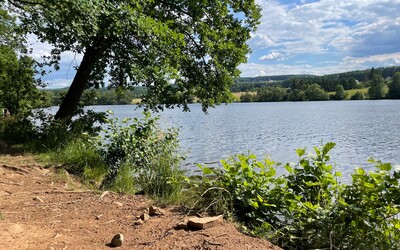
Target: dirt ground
[41,209]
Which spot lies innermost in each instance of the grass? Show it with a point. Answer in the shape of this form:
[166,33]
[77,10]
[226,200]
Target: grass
[351,92]
[237,95]
[1,216]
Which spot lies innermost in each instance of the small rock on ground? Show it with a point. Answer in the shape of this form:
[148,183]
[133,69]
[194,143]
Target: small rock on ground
[117,240]
[203,223]
[153,210]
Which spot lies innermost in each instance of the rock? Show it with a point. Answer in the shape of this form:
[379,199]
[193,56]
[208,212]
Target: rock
[119,204]
[153,210]
[145,217]
[182,225]
[203,223]
[138,222]
[117,240]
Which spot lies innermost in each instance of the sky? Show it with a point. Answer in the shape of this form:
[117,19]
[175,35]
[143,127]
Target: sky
[304,37]
[324,37]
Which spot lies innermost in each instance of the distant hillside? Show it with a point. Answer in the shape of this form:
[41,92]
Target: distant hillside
[328,82]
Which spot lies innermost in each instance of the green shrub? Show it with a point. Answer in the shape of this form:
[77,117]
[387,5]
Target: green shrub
[307,208]
[358,96]
[81,158]
[139,152]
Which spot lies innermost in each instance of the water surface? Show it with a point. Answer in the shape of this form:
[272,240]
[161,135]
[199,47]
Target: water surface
[361,129]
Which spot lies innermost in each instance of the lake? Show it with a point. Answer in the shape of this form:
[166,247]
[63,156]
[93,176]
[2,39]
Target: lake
[361,129]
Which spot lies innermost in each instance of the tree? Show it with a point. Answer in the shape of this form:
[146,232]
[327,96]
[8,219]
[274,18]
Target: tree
[186,46]
[18,90]
[340,94]
[394,87]
[357,96]
[377,89]
[271,94]
[315,93]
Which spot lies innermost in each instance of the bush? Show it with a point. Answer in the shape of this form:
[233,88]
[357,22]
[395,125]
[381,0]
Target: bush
[141,156]
[81,158]
[358,96]
[307,208]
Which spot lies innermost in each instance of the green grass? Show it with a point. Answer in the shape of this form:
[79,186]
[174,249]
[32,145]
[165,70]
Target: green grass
[80,159]
[351,92]
[1,216]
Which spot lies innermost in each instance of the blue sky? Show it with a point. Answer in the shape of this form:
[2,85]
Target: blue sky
[323,37]
[306,37]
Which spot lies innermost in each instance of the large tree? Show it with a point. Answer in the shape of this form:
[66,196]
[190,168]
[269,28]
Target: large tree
[18,90]
[178,49]
[377,88]
[394,86]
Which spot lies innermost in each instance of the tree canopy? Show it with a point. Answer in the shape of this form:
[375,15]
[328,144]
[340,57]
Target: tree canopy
[177,49]
[18,92]
[378,88]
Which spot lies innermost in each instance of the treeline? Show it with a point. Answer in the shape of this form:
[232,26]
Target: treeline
[309,90]
[349,80]
[103,96]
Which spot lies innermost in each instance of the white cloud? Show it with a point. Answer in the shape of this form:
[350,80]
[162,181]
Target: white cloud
[58,83]
[385,59]
[272,56]
[309,27]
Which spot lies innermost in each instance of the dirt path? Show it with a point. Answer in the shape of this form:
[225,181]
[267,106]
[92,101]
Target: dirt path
[43,210]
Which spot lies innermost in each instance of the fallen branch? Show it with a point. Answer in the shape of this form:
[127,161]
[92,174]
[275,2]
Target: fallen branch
[17,169]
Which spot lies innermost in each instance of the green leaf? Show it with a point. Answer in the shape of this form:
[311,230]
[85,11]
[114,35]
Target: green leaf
[288,168]
[301,151]
[384,166]
[338,174]
[328,146]
[207,170]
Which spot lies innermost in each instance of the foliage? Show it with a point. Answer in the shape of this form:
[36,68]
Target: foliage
[378,88]
[314,92]
[394,87]
[297,95]
[51,134]
[197,45]
[340,94]
[81,158]
[271,94]
[142,156]
[307,208]
[247,97]
[358,96]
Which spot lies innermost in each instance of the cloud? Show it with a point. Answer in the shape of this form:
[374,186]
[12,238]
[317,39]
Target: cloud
[272,56]
[385,59]
[329,36]
[58,83]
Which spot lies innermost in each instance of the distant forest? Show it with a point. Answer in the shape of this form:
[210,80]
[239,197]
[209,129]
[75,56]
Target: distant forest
[374,83]
[327,82]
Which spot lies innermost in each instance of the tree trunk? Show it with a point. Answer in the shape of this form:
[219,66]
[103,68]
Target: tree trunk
[71,99]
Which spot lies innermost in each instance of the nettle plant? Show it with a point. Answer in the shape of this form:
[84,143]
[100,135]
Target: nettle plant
[141,157]
[306,208]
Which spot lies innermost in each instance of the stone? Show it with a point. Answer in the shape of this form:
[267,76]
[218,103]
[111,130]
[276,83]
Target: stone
[145,217]
[153,210]
[119,204]
[139,222]
[117,240]
[203,223]
[182,225]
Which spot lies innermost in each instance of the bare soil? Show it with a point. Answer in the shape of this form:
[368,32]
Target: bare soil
[42,209]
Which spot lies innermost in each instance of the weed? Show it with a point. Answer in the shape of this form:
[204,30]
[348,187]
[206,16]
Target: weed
[307,208]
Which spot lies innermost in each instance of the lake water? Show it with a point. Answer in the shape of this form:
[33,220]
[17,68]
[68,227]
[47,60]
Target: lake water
[361,129]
